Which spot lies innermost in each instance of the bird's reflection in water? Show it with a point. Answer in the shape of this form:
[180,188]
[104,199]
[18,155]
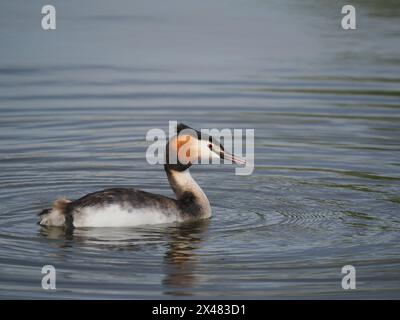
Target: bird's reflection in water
[179,261]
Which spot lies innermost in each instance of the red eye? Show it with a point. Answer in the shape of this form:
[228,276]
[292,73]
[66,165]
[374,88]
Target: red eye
[210,146]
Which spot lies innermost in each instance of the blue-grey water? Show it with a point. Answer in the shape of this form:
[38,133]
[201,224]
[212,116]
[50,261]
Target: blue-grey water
[77,102]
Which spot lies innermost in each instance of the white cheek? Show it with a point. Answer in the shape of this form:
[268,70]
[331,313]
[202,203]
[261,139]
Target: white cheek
[214,156]
[206,155]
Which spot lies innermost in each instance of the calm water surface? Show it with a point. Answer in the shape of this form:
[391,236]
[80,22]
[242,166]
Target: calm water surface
[76,103]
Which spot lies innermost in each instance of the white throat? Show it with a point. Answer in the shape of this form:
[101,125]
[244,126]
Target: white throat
[183,185]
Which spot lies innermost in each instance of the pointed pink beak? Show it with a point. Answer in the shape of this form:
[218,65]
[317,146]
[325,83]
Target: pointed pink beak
[233,158]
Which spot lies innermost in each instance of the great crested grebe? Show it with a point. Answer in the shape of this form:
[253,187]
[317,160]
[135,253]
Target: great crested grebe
[124,207]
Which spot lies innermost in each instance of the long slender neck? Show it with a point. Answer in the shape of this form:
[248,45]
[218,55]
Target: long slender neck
[190,196]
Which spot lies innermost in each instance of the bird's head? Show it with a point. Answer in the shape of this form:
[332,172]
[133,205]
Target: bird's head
[190,147]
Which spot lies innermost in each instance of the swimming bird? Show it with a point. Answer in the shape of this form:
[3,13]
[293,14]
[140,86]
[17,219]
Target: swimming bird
[119,207]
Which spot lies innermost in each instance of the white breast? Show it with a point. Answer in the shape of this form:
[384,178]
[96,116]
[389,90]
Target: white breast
[117,216]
